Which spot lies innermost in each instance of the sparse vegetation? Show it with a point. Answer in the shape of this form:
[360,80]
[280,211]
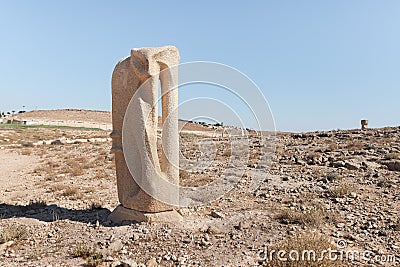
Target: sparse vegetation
[342,190]
[355,145]
[384,182]
[27,144]
[392,156]
[332,176]
[311,215]
[35,205]
[12,233]
[26,152]
[21,126]
[309,246]
[332,147]
[95,206]
[91,255]
[74,168]
[313,155]
[70,191]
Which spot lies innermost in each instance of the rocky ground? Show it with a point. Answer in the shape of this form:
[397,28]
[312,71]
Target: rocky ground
[336,190]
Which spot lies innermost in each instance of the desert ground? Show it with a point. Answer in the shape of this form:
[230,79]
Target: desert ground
[331,190]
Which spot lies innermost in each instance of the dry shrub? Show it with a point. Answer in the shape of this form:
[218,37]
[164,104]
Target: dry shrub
[194,179]
[26,144]
[91,255]
[95,206]
[13,233]
[312,218]
[301,250]
[385,182]
[35,205]
[71,191]
[101,174]
[356,145]
[57,187]
[390,156]
[313,215]
[227,153]
[342,190]
[332,147]
[81,160]
[313,155]
[332,176]
[49,168]
[184,175]
[26,152]
[74,167]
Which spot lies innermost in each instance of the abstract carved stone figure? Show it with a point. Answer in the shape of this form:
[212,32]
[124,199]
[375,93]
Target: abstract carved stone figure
[143,69]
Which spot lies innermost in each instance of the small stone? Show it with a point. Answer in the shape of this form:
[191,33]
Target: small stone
[243,225]
[109,259]
[181,260]
[340,225]
[213,230]
[116,246]
[393,165]
[135,237]
[128,263]
[116,264]
[4,246]
[217,215]
[351,166]
[152,263]
[56,142]
[353,195]
[167,257]
[382,233]
[339,164]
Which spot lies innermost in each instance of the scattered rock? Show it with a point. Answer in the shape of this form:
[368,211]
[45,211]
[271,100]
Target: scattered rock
[116,246]
[56,142]
[351,166]
[393,165]
[338,164]
[6,245]
[243,225]
[152,263]
[217,215]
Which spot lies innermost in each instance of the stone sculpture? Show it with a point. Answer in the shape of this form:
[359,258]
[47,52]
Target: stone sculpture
[136,77]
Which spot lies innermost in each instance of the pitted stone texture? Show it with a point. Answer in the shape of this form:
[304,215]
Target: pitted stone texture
[146,66]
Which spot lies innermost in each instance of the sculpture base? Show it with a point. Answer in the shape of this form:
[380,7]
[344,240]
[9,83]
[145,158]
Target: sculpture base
[122,214]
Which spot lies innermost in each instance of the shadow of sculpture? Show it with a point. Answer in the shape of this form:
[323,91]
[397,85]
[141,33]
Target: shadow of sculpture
[52,213]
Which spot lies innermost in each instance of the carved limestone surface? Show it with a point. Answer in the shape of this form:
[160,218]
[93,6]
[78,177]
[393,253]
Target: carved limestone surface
[137,77]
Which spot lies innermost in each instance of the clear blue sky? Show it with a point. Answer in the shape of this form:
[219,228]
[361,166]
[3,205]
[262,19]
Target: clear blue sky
[321,64]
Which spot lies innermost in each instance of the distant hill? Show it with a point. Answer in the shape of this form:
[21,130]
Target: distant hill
[94,116]
[86,118]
